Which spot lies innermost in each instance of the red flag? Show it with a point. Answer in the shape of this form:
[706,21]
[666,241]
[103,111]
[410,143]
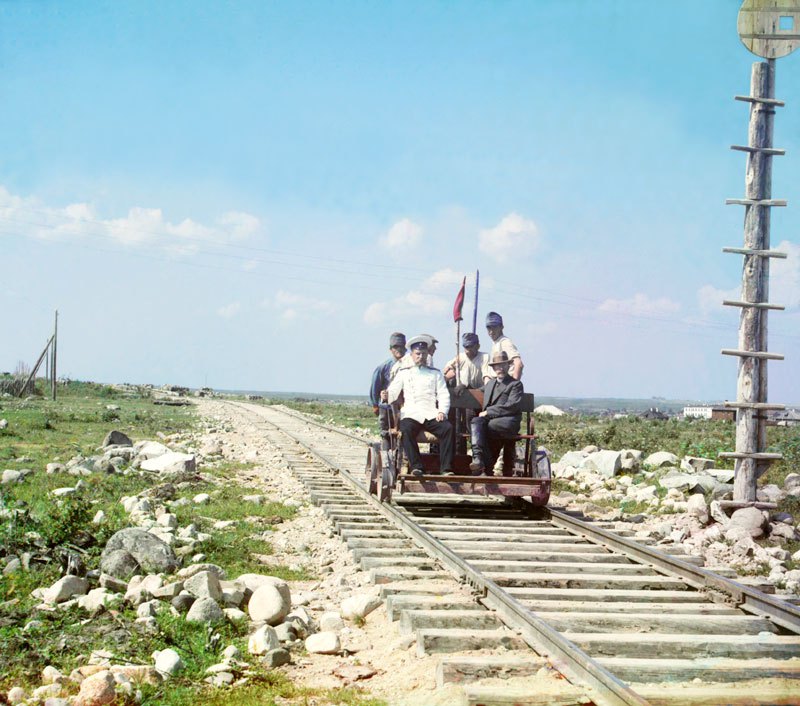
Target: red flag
[459,305]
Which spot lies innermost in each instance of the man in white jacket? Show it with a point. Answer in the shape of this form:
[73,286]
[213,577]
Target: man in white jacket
[426,402]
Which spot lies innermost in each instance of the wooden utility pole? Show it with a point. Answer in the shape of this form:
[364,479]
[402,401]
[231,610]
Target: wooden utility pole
[768,31]
[53,384]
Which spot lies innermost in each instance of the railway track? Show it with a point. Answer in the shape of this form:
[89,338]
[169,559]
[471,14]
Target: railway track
[624,623]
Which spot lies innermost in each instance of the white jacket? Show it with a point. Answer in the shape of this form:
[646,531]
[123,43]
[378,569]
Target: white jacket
[424,391]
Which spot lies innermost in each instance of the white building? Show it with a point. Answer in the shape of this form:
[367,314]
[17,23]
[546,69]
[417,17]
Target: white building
[699,412]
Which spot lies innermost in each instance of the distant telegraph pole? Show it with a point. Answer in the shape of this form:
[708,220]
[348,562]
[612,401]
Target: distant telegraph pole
[771,30]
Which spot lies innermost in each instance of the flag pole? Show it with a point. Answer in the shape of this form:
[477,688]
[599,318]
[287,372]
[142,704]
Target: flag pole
[475,307]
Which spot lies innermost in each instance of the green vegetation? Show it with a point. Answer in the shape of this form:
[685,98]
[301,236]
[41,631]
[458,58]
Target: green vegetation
[40,431]
[350,415]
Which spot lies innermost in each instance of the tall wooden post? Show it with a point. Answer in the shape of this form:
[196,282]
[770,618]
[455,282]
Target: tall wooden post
[53,383]
[768,31]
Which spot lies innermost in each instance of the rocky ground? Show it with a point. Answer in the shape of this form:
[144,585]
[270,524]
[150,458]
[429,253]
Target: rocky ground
[677,501]
[330,631]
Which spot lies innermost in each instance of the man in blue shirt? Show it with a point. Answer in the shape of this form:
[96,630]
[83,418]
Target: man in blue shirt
[380,383]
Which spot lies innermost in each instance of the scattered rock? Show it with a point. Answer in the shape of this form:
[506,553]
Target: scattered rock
[116,438]
[170,463]
[276,657]
[167,662]
[205,610]
[324,643]
[661,459]
[65,588]
[269,604]
[359,606]
[97,689]
[149,553]
[750,519]
[263,640]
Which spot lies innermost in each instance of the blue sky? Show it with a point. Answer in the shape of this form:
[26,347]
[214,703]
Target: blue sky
[254,195]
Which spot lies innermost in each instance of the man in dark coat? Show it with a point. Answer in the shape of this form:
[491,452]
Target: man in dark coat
[499,421]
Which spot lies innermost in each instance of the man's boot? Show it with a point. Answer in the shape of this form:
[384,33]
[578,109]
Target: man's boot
[477,467]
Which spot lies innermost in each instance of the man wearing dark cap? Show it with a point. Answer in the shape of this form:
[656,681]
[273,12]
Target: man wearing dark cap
[426,402]
[380,383]
[502,343]
[499,421]
[473,365]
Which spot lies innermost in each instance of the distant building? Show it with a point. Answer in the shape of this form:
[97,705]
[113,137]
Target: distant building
[698,412]
[654,413]
[550,409]
[787,418]
[708,412]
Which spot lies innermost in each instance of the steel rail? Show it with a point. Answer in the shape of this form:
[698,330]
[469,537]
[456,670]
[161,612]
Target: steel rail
[567,657]
[750,599]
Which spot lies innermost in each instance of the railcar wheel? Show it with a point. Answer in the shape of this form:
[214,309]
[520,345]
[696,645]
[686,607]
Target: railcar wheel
[386,484]
[373,468]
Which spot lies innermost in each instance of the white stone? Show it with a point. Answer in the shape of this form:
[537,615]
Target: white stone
[204,584]
[97,599]
[331,621]
[269,604]
[234,615]
[170,462]
[263,640]
[66,587]
[750,518]
[201,499]
[99,518]
[572,458]
[168,520]
[167,662]
[61,492]
[324,643]
[16,695]
[149,449]
[10,476]
[606,463]
[696,507]
[659,459]
[359,606]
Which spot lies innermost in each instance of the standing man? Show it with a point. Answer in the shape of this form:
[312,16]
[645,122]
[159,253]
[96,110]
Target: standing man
[499,421]
[380,383]
[473,365]
[426,404]
[501,342]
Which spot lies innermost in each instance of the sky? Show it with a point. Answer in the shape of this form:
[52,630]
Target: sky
[254,195]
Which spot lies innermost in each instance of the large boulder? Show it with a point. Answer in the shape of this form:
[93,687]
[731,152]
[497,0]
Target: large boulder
[150,554]
[65,588]
[149,449]
[693,464]
[97,690]
[661,459]
[572,458]
[268,605]
[696,507]
[116,438]
[170,462]
[751,519]
[606,463]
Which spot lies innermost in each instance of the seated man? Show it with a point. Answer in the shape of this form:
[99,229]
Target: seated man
[499,420]
[426,404]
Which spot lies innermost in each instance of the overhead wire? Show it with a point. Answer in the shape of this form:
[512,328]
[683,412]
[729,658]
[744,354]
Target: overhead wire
[511,291]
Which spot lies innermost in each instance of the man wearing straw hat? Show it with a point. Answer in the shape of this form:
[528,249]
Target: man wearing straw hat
[499,421]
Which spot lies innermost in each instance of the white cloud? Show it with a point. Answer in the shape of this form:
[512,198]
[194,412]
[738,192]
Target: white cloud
[402,236]
[640,305]
[446,280]
[514,236]
[416,303]
[31,217]
[709,298]
[298,306]
[229,310]
[785,276]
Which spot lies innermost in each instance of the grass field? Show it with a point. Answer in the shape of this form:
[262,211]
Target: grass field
[41,431]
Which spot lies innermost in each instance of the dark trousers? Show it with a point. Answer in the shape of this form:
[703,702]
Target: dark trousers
[443,432]
[490,437]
